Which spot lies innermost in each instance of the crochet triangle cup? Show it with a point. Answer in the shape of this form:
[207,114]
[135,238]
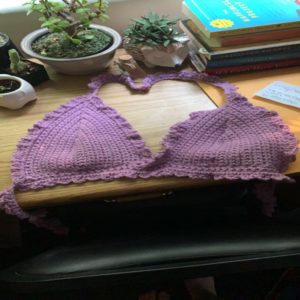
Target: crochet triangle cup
[86,140]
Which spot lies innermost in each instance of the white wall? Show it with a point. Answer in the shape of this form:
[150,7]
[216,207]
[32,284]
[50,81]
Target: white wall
[17,24]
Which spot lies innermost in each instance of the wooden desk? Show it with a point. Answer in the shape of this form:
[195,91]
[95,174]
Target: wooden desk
[151,115]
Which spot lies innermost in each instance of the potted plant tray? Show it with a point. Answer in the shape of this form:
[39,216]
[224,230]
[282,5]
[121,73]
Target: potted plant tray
[30,71]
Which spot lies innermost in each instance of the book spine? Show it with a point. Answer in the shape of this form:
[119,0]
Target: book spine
[193,36]
[187,12]
[190,28]
[254,67]
[253,38]
[254,29]
[243,60]
[267,50]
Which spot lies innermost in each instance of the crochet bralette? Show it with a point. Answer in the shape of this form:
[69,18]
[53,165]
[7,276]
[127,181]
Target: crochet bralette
[86,140]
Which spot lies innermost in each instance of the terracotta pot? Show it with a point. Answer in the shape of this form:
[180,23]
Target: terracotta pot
[75,66]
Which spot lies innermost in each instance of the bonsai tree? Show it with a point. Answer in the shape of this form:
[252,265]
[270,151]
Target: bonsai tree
[68,25]
[152,30]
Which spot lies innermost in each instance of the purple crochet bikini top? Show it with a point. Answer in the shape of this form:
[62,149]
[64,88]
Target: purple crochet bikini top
[87,140]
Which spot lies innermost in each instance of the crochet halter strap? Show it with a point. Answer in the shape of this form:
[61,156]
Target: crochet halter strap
[86,140]
[97,82]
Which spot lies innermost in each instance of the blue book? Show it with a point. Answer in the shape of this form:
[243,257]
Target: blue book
[217,18]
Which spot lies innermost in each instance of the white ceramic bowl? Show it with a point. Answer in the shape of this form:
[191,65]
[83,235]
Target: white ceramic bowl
[18,98]
[75,66]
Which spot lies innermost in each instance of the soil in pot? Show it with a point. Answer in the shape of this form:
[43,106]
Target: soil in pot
[56,45]
[8,85]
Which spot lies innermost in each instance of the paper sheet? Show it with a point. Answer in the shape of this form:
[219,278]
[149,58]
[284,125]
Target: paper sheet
[281,92]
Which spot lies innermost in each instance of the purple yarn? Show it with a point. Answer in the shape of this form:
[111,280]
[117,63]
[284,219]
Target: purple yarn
[86,140]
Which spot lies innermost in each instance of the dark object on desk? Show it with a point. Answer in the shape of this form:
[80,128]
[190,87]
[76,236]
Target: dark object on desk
[30,71]
[34,74]
[5,45]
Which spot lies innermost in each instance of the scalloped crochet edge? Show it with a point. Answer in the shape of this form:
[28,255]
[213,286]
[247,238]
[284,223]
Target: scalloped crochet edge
[291,143]
[21,180]
[18,157]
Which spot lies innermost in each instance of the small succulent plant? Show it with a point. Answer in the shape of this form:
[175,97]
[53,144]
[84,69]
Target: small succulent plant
[16,64]
[152,30]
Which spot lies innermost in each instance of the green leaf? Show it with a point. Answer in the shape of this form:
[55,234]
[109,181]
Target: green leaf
[63,24]
[82,11]
[87,37]
[59,6]
[166,43]
[73,40]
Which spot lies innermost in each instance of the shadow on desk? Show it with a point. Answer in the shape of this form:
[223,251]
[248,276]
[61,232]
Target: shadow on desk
[135,246]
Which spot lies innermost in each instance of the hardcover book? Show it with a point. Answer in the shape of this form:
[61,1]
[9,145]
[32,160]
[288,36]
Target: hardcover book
[200,66]
[231,17]
[236,51]
[221,43]
[254,67]
[245,60]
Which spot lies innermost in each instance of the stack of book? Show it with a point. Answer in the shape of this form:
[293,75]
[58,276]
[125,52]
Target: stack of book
[234,36]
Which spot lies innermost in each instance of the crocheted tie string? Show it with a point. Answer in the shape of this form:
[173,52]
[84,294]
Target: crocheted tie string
[9,205]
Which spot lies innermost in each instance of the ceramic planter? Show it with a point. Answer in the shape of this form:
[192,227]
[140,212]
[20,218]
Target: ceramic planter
[4,58]
[19,97]
[75,66]
[171,56]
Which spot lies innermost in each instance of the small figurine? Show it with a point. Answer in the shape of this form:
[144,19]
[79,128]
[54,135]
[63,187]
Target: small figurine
[127,63]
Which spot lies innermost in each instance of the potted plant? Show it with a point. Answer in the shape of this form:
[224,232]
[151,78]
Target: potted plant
[5,45]
[68,41]
[154,40]
[30,71]
[15,92]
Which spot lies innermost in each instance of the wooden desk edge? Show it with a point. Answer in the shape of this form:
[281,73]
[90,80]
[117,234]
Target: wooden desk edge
[109,190]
